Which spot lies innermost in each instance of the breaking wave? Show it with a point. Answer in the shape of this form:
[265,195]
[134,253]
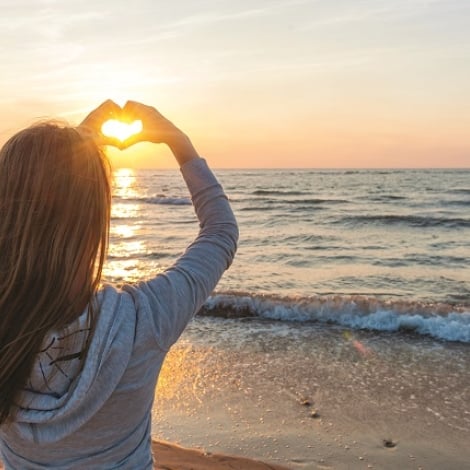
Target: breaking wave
[440,321]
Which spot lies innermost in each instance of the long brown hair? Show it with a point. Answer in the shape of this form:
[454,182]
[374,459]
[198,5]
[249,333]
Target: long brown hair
[55,203]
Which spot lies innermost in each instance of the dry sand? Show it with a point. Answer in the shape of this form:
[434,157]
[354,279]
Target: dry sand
[173,457]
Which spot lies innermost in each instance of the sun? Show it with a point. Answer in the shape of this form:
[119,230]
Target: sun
[121,130]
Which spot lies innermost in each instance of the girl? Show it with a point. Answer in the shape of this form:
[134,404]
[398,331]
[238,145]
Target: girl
[79,362]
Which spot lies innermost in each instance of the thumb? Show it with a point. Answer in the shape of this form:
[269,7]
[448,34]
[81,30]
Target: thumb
[133,139]
[110,141]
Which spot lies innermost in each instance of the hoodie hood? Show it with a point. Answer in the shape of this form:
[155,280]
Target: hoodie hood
[60,397]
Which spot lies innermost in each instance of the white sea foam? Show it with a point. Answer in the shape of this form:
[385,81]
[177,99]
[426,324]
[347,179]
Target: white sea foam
[439,321]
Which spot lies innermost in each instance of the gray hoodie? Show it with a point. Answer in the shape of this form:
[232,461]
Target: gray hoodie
[99,417]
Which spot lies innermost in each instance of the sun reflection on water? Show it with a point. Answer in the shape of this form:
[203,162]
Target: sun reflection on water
[124,230]
[124,186]
[127,249]
[124,270]
[120,210]
[124,250]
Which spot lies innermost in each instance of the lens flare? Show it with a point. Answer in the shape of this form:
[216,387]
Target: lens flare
[361,348]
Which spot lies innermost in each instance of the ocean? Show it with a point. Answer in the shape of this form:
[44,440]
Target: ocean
[350,292]
[376,250]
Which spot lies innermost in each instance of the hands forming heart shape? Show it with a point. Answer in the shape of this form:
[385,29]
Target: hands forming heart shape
[110,124]
[122,127]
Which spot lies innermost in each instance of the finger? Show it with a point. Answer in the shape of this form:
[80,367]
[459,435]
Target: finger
[98,137]
[111,141]
[133,110]
[133,106]
[137,110]
[133,139]
[108,107]
[106,110]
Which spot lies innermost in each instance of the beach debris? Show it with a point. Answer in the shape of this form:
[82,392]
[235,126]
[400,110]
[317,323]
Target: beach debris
[314,414]
[389,443]
[305,402]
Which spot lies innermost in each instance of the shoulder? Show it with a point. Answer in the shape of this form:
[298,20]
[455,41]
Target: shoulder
[111,297]
[115,309]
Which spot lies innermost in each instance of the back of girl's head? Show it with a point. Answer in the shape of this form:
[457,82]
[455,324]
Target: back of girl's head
[54,223]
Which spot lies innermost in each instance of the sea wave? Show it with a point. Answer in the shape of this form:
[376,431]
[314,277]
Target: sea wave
[456,202]
[440,321]
[410,220]
[272,192]
[310,201]
[160,199]
[460,191]
[171,201]
[307,200]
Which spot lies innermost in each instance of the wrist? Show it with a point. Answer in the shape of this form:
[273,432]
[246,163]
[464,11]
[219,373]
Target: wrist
[182,148]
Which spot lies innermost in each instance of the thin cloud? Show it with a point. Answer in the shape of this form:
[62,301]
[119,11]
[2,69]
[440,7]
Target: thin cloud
[383,10]
[214,17]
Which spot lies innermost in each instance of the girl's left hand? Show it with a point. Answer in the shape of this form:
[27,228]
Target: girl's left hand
[93,122]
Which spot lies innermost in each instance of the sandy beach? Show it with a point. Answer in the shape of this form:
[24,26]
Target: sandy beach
[309,397]
[319,403]
[173,457]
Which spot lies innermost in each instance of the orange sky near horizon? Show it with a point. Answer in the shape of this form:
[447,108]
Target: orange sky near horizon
[261,84]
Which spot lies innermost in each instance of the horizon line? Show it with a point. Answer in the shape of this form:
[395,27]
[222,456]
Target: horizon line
[308,168]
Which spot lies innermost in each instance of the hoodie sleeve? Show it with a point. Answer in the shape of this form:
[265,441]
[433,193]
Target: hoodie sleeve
[168,301]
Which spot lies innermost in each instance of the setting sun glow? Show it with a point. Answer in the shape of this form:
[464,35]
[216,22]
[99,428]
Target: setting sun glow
[121,130]
[283,84]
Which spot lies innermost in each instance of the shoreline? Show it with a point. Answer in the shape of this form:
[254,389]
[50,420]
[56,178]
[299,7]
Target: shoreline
[169,456]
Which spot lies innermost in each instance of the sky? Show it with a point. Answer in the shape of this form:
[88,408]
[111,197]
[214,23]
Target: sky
[254,83]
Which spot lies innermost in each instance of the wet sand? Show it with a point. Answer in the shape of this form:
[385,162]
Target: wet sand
[310,397]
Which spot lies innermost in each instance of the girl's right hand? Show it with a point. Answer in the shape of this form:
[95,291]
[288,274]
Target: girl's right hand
[158,130]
